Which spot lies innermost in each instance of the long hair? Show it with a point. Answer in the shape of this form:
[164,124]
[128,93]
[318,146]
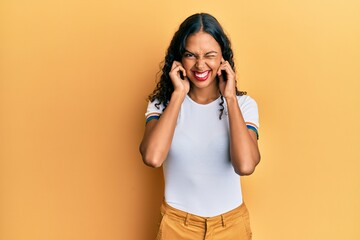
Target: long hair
[193,24]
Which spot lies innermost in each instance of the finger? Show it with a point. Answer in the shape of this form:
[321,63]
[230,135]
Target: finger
[221,68]
[182,70]
[221,78]
[223,63]
[177,71]
[174,65]
[227,67]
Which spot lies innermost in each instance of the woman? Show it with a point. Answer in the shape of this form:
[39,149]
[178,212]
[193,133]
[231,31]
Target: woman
[203,131]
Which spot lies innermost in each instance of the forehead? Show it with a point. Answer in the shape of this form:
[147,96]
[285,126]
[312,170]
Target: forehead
[201,42]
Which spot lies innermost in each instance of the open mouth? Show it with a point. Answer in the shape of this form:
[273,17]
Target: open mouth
[202,76]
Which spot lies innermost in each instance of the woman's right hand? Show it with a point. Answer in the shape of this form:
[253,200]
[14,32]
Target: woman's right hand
[180,85]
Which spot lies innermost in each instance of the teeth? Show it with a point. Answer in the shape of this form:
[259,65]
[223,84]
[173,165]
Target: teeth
[201,75]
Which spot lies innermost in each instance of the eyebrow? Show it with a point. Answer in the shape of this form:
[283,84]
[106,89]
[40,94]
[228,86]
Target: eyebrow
[211,52]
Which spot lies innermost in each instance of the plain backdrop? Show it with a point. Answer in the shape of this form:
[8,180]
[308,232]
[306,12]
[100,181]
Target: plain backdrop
[74,78]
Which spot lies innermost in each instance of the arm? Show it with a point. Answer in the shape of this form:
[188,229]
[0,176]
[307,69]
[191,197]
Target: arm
[244,151]
[158,134]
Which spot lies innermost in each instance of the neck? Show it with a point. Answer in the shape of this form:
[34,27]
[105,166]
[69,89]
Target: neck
[204,96]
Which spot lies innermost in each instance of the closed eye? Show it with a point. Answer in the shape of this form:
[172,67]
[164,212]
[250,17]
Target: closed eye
[211,54]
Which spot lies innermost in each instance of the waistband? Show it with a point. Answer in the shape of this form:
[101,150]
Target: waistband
[193,219]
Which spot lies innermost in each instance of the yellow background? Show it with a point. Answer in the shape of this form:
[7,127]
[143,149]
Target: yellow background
[74,77]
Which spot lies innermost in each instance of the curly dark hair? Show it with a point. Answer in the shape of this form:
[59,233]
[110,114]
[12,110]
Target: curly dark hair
[193,24]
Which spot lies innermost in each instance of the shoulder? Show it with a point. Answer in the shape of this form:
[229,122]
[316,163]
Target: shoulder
[156,104]
[246,100]
[154,110]
[249,109]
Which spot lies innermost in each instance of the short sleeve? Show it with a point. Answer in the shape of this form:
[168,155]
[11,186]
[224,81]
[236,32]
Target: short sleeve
[154,110]
[249,110]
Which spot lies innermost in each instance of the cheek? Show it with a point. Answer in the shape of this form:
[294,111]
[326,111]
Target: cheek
[187,65]
[214,64]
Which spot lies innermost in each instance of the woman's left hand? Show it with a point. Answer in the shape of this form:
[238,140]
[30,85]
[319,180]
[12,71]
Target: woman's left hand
[227,79]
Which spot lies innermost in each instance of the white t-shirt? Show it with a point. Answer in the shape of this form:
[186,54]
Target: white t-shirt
[199,176]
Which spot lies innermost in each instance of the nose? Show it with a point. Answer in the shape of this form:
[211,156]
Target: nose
[200,64]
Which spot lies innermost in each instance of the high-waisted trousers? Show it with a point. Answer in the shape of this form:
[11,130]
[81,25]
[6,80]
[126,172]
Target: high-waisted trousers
[176,224]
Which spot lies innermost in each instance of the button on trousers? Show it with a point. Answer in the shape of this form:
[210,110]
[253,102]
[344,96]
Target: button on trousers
[176,224]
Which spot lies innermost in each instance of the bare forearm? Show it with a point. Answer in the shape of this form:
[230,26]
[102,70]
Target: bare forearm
[244,150]
[157,140]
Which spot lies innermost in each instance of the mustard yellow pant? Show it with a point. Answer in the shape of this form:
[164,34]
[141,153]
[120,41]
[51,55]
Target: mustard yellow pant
[176,224]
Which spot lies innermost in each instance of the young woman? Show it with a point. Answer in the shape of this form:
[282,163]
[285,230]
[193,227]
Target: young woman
[204,133]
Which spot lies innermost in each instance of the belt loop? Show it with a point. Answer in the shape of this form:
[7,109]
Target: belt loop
[223,221]
[187,219]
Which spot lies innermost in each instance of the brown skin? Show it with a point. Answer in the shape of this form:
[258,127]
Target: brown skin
[203,56]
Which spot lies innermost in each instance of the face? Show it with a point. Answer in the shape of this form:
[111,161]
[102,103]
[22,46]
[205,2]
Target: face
[201,60]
